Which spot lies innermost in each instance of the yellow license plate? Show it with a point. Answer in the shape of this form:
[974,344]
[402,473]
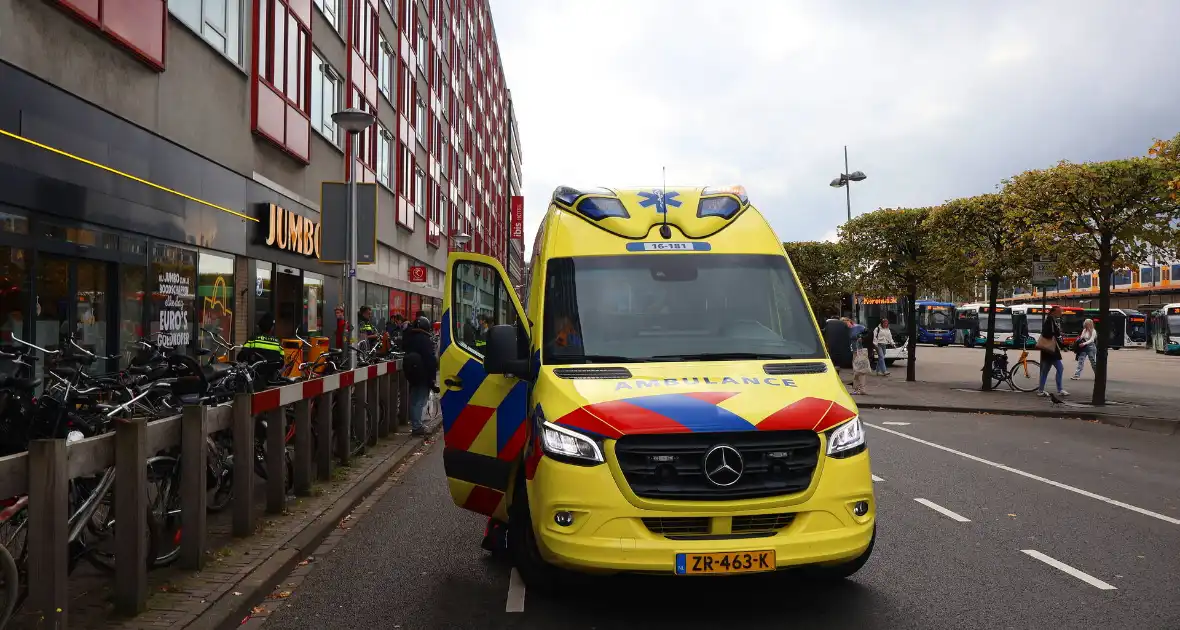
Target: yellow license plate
[718,563]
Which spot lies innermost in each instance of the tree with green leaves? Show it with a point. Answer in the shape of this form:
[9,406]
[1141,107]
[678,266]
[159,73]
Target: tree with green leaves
[890,252]
[1098,215]
[823,271]
[1168,152]
[977,236]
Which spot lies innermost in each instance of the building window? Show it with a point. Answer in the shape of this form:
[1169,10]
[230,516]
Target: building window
[421,49]
[364,32]
[219,22]
[420,119]
[383,138]
[419,193]
[138,25]
[331,11]
[282,76]
[325,98]
[364,145]
[384,66]
[403,89]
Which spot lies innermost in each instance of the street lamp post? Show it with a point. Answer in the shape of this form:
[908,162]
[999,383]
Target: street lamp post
[844,179]
[353,121]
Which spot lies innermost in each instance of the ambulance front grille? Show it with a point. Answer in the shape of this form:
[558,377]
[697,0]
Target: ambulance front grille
[671,466]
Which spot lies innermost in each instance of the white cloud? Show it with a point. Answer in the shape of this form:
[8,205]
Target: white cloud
[935,100]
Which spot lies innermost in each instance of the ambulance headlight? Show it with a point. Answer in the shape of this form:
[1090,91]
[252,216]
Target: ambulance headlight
[569,446]
[847,439]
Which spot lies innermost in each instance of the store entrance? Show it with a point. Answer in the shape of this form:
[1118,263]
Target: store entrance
[288,294]
[72,298]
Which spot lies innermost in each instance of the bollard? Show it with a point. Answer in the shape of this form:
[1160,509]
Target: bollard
[387,403]
[243,499]
[131,508]
[303,447]
[48,537]
[361,411]
[323,421]
[374,418]
[194,452]
[344,421]
[276,461]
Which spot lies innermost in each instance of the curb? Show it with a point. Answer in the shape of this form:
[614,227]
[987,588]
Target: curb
[229,610]
[1150,425]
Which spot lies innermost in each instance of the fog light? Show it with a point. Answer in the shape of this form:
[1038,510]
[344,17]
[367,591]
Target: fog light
[860,508]
[565,519]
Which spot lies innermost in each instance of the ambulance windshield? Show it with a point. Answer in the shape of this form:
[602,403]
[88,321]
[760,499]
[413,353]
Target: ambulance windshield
[669,307]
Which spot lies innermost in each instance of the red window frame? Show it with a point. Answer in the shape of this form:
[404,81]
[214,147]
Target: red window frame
[366,47]
[139,26]
[281,95]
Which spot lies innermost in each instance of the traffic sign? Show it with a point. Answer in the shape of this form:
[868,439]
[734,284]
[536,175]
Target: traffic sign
[1043,273]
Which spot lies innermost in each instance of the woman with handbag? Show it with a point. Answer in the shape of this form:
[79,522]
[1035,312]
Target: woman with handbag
[1049,343]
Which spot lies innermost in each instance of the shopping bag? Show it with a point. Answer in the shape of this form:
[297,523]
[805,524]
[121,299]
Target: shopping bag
[860,362]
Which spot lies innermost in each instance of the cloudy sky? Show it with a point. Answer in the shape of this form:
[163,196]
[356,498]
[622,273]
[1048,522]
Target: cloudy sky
[935,99]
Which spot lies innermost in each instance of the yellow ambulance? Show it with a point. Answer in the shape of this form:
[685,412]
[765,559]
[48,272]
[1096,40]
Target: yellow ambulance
[662,403]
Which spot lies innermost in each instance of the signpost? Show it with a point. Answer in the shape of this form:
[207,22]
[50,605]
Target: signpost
[1044,276]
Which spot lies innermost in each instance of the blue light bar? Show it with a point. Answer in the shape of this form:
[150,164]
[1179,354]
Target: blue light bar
[599,208]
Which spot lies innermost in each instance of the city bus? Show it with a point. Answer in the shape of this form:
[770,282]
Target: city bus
[1072,318]
[1128,327]
[936,322]
[1029,318]
[1165,329]
[870,310]
[971,325]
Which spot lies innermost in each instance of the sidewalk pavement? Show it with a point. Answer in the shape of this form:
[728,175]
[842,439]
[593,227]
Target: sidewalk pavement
[243,571]
[1158,412]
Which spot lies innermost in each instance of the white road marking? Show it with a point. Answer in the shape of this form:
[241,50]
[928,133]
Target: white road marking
[1056,484]
[897,424]
[943,511]
[515,593]
[876,478]
[1061,566]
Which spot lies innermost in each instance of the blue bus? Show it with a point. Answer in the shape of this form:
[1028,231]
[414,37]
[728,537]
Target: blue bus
[936,322]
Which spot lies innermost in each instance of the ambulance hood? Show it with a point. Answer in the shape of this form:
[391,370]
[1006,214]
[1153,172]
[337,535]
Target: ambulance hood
[715,396]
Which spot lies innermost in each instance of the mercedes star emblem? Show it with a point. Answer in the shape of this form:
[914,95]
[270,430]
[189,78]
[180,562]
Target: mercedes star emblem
[723,465]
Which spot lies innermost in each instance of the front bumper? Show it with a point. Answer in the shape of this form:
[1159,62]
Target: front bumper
[609,534]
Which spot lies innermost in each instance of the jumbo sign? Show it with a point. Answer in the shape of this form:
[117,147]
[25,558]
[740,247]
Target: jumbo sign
[289,231]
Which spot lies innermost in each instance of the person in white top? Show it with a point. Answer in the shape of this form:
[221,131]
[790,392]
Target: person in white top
[1087,348]
[882,339]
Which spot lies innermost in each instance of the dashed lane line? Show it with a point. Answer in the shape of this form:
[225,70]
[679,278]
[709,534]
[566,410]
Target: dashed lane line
[516,589]
[876,478]
[897,424]
[954,516]
[1017,471]
[1061,566]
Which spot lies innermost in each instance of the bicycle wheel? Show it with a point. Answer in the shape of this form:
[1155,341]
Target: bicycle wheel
[9,585]
[1025,381]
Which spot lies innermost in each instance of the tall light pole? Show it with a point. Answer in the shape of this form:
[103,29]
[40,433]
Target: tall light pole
[354,121]
[843,182]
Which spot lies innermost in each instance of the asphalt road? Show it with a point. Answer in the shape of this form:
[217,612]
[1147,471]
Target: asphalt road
[1023,523]
[1132,373]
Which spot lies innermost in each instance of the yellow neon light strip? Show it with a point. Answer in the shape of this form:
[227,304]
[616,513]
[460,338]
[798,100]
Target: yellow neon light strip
[127,175]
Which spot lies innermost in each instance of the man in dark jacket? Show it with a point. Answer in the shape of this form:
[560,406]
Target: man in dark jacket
[421,367]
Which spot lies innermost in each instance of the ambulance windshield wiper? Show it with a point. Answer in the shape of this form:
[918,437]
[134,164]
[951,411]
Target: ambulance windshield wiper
[610,358]
[723,356]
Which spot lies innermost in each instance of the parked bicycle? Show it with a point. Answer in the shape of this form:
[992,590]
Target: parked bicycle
[1023,376]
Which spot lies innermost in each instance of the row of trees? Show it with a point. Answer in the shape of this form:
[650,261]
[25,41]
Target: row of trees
[1093,216]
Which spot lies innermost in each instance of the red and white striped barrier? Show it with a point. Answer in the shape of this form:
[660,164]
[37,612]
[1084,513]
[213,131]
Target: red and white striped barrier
[271,399]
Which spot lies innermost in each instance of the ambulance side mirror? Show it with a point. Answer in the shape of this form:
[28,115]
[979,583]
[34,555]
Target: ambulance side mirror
[502,355]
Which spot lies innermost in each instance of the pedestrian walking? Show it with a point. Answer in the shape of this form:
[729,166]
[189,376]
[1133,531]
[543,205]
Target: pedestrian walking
[1049,343]
[421,366]
[1087,349]
[860,356]
[882,339]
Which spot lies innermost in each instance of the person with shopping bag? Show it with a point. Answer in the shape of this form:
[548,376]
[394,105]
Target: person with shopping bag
[860,356]
[421,367]
[1049,343]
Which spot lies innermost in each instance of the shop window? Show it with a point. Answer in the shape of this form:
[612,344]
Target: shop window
[219,22]
[325,98]
[215,298]
[138,25]
[173,280]
[397,303]
[132,295]
[263,292]
[13,223]
[14,295]
[282,75]
[313,304]
[415,305]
